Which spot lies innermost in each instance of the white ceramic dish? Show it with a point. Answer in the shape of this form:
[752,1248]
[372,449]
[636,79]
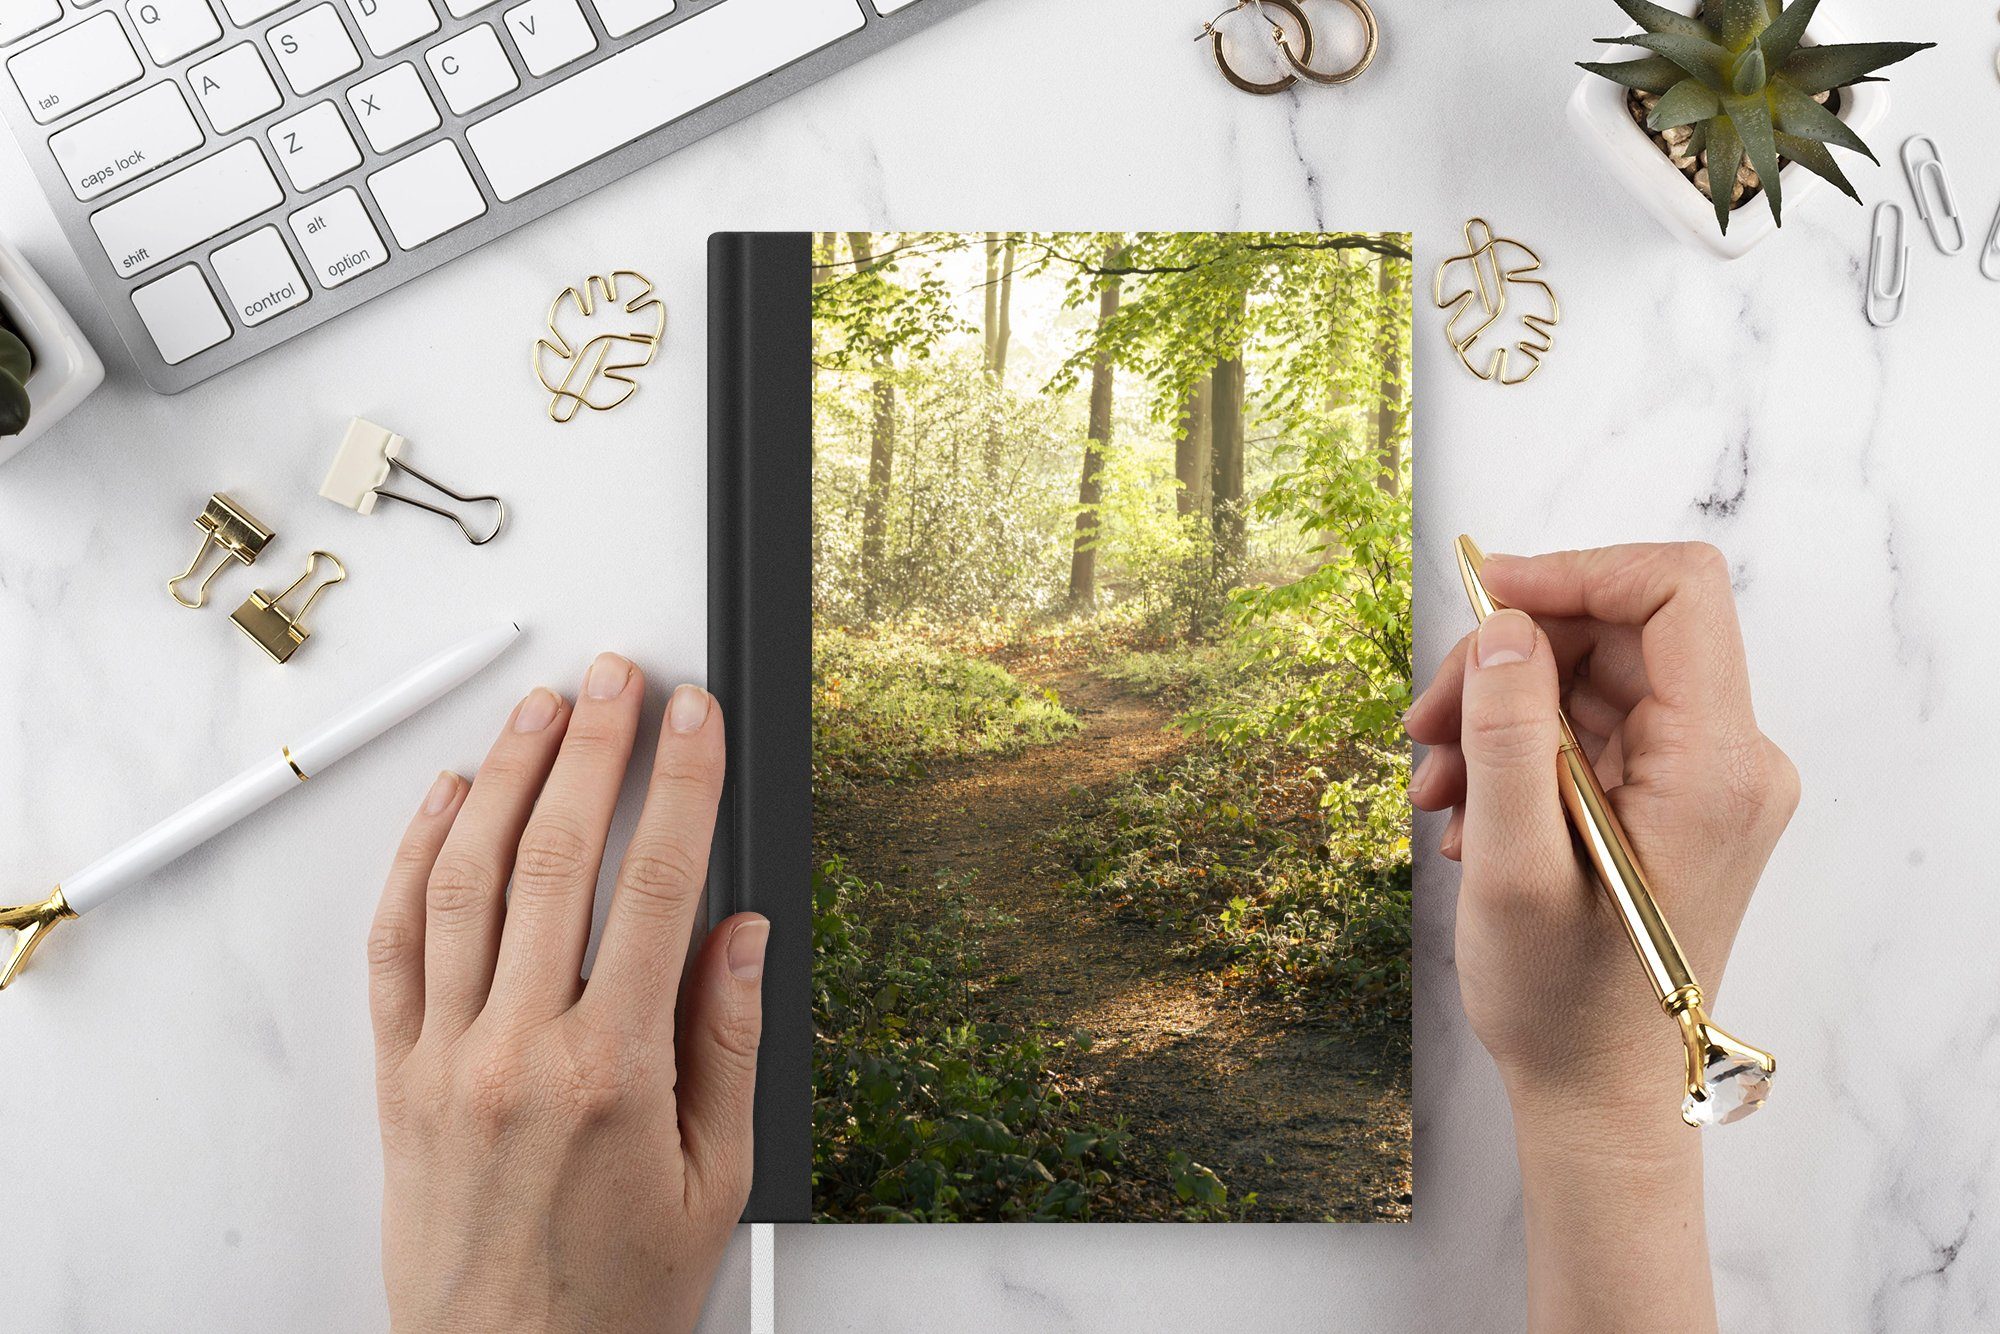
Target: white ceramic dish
[1597,111]
[66,369]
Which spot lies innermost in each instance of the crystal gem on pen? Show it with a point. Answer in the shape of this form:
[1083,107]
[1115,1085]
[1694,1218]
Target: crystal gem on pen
[1735,1085]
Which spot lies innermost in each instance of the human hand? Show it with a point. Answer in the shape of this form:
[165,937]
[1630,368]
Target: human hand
[556,1156]
[1641,646]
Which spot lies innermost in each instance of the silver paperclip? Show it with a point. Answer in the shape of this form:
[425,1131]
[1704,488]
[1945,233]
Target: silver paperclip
[1884,304]
[361,468]
[1927,171]
[1989,258]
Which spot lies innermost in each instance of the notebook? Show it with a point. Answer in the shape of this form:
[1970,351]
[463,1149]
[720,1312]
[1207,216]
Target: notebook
[1060,608]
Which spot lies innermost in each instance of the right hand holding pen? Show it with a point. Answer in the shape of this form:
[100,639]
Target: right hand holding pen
[1640,646]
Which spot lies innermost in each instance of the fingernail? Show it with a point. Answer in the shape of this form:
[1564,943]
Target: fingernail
[746,948]
[1506,636]
[442,791]
[537,711]
[608,675]
[688,709]
[1423,768]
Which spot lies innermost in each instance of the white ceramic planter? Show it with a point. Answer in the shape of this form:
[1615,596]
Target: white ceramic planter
[1597,111]
[66,369]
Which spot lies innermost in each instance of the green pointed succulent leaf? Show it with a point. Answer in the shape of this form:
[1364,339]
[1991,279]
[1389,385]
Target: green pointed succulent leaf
[1783,36]
[15,359]
[1703,59]
[1797,114]
[13,406]
[1685,103]
[1698,141]
[1751,117]
[1816,69]
[1750,74]
[1814,157]
[1725,159]
[1739,20]
[1654,74]
[1656,18]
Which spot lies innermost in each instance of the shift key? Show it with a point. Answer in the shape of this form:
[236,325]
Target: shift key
[187,208]
[124,142]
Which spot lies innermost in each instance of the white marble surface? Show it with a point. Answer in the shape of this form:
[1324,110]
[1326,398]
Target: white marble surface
[184,1079]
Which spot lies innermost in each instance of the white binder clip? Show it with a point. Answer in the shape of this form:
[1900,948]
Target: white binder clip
[367,456]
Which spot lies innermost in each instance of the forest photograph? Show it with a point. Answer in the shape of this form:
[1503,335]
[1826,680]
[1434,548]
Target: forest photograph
[1111,644]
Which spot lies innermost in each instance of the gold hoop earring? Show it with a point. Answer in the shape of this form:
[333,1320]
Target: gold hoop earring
[1370,36]
[1278,34]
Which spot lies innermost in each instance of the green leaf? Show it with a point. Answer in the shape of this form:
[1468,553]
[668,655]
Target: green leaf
[1778,41]
[1656,18]
[1817,69]
[1684,104]
[15,359]
[1750,74]
[1739,20]
[13,406]
[1725,159]
[1653,74]
[1751,117]
[1705,60]
[1797,114]
[1815,158]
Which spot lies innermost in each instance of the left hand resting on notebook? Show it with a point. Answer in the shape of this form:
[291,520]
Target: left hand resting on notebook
[557,1156]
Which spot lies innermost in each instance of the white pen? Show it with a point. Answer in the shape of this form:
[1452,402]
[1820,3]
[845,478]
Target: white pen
[262,782]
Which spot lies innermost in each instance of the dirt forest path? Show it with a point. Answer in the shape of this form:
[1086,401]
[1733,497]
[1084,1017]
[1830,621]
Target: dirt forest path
[1312,1118]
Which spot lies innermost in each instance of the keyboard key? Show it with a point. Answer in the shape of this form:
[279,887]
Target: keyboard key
[74,68]
[181,314]
[125,141]
[339,240]
[243,13]
[628,16]
[172,28]
[153,224]
[234,88]
[393,107]
[314,146]
[550,34]
[649,84]
[259,276]
[18,18]
[313,49]
[460,8]
[471,69]
[391,25]
[427,194]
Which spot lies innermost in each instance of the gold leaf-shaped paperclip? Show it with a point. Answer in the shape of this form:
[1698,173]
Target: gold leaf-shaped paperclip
[584,374]
[1492,277]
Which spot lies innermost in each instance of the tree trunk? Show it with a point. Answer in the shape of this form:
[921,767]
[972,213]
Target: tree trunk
[881,454]
[992,290]
[1089,490]
[1389,396]
[1003,328]
[999,328]
[1191,450]
[1226,459]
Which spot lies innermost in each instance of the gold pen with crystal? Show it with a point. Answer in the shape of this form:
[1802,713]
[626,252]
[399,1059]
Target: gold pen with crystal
[1726,1079]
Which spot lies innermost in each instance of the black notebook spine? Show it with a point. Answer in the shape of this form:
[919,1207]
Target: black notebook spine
[760,664]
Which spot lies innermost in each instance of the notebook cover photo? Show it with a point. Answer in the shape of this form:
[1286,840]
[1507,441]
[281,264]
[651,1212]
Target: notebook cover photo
[1060,610]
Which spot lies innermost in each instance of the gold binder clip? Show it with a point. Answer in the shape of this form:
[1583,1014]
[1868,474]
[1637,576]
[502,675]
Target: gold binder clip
[277,631]
[227,525]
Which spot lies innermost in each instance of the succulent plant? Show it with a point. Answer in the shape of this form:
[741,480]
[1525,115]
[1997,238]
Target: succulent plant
[15,363]
[1739,73]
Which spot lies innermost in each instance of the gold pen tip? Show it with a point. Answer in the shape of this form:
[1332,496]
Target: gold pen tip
[1470,561]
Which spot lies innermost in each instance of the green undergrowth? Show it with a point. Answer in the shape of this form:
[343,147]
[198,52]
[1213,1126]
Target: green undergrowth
[1235,853]
[886,701]
[921,1112]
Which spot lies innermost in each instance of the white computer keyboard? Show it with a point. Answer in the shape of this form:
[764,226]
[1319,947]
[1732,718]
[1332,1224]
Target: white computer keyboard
[231,177]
